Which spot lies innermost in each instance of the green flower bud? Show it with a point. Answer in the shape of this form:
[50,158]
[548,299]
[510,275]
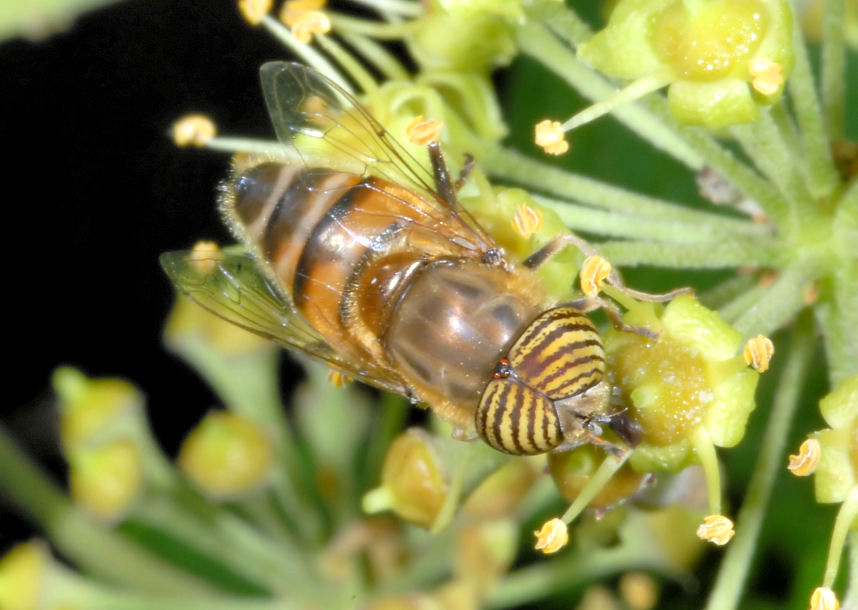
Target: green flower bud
[571,471]
[106,480]
[189,325]
[497,213]
[722,58]
[226,455]
[91,409]
[476,42]
[23,571]
[413,482]
[691,382]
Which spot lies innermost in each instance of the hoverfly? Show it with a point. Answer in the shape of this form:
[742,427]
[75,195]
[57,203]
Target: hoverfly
[365,260]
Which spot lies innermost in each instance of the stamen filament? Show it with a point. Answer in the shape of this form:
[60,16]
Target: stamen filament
[609,466]
[842,525]
[307,53]
[381,31]
[630,93]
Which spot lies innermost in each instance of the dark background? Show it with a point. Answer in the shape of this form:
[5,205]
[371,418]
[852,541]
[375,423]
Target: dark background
[95,191]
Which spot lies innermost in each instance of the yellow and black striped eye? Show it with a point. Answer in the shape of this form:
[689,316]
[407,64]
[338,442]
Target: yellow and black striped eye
[513,418]
[558,356]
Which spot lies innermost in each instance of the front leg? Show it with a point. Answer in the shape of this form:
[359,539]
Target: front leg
[549,250]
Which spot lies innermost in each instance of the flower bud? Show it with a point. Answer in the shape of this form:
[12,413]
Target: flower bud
[722,58]
[690,383]
[571,471]
[106,480]
[91,408]
[22,576]
[226,455]
[445,42]
[413,484]
[189,326]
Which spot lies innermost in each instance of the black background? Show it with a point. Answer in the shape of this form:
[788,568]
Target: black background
[95,190]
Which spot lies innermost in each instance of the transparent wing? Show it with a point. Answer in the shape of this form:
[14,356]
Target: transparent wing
[232,286]
[327,127]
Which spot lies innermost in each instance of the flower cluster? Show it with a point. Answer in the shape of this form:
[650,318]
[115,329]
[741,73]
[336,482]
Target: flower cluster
[266,507]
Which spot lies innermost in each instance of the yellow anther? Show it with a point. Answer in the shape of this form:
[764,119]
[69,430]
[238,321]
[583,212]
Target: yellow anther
[205,256]
[294,9]
[551,138]
[527,220]
[552,537]
[824,598]
[193,130]
[805,462]
[758,352]
[337,379]
[767,75]
[716,529]
[422,131]
[309,23]
[593,273]
[254,11]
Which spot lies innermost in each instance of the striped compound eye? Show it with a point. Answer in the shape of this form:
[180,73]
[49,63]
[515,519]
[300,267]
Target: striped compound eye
[558,357]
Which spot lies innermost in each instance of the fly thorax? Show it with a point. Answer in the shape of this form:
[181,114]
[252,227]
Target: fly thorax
[451,326]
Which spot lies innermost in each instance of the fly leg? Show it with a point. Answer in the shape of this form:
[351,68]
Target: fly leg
[549,250]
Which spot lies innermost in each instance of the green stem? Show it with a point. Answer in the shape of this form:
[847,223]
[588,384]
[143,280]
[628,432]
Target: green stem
[596,483]
[352,66]
[377,55]
[85,542]
[247,385]
[306,52]
[708,459]
[719,158]
[780,302]
[374,29]
[634,226]
[833,67]
[430,563]
[512,166]
[406,8]
[741,303]
[851,598]
[846,520]
[573,570]
[233,145]
[762,142]
[770,461]
[227,539]
[562,20]
[788,131]
[688,256]
[728,290]
[68,589]
[837,315]
[538,42]
[822,175]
